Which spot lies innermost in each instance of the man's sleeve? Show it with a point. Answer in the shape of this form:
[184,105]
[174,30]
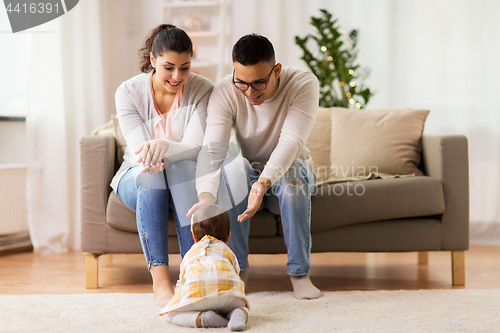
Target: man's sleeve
[216,142]
[296,129]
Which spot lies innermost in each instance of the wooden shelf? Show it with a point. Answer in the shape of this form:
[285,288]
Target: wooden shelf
[202,34]
[191,4]
[202,64]
[211,41]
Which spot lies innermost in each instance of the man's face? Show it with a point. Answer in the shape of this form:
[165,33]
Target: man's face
[260,75]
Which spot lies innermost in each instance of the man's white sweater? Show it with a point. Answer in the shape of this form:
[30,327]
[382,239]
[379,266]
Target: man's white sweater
[271,135]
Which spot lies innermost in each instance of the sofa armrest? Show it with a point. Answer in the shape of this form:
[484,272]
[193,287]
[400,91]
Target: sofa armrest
[446,159]
[97,165]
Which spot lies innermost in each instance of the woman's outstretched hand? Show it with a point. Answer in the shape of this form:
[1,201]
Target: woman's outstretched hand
[150,154]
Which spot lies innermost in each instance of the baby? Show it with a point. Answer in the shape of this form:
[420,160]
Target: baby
[209,292]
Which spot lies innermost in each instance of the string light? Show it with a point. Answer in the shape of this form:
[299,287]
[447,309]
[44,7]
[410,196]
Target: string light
[348,94]
[358,105]
[351,72]
[341,83]
[351,101]
[330,58]
[323,48]
[352,84]
[342,32]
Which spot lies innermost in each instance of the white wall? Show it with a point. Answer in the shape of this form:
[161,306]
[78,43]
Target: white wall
[125,24]
[12,142]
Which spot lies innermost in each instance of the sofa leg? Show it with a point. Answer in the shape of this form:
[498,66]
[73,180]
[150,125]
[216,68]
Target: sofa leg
[423,258]
[91,271]
[107,260]
[458,268]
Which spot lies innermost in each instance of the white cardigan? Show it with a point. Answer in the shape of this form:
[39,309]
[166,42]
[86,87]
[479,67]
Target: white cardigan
[138,118]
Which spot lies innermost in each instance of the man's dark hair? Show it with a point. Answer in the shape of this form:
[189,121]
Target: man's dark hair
[252,49]
[211,220]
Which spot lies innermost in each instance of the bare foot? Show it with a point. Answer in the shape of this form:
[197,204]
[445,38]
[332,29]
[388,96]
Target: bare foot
[162,295]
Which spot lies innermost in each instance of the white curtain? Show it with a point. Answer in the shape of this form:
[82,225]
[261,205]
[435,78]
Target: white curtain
[437,55]
[65,102]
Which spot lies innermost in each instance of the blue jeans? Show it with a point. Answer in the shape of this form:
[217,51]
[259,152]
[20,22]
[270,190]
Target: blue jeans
[290,196]
[151,197]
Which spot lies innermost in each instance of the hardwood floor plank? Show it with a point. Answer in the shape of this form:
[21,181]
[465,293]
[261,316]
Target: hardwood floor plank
[30,273]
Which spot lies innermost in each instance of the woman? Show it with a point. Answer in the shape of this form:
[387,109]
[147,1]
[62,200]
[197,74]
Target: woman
[162,114]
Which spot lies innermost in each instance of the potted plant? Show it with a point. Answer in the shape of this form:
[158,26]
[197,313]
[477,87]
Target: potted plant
[334,64]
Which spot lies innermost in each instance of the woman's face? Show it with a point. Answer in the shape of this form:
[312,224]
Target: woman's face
[172,70]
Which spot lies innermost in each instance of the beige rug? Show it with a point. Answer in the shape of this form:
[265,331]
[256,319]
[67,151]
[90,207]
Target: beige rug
[459,310]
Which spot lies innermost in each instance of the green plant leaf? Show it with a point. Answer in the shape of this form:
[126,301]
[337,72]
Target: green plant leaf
[332,66]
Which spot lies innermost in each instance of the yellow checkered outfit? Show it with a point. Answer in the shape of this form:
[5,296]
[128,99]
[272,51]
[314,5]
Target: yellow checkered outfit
[208,279]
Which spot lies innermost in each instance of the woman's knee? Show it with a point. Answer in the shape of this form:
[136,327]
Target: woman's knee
[155,181]
[181,172]
[184,165]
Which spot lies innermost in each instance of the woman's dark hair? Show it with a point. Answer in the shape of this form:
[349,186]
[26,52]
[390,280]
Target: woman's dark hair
[211,220]
[252,49]
[164,38]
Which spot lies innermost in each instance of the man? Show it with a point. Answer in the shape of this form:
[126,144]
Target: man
[272,110]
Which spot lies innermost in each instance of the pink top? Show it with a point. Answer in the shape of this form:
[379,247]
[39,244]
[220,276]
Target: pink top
[166,129]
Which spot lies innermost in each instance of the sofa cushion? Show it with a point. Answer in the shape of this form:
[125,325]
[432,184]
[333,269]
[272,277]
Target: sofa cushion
[384,141]
[319,145]
[120,217]
[121,144]
[341,204]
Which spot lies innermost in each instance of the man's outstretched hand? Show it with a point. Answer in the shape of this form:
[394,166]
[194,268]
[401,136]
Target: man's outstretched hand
[255,197]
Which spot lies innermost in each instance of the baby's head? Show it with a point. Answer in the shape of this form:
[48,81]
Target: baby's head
[211,220]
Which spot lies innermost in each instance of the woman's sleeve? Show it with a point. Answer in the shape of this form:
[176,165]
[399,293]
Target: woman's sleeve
[133,127]
[192,140]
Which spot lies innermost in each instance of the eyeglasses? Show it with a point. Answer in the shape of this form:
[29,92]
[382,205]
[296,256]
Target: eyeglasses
[240,85]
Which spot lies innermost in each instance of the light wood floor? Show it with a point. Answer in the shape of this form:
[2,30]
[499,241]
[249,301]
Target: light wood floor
[29,273]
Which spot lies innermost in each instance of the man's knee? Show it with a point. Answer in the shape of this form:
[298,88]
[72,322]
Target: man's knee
[235,163]
[296,175]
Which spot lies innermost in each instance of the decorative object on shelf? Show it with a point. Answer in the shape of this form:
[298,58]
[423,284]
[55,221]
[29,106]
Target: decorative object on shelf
[339,76]
[192,23]
[208,24]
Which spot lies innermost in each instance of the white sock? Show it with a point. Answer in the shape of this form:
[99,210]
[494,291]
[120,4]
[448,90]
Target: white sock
[212,319]
[187,319]
[237,320]
[303,287]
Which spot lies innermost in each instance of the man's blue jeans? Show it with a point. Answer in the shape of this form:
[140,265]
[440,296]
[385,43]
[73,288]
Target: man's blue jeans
[290,196]
[151,197]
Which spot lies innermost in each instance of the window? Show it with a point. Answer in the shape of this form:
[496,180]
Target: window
[13,69]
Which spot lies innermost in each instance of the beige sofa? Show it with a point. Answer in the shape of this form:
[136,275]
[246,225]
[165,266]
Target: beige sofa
[420,214]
